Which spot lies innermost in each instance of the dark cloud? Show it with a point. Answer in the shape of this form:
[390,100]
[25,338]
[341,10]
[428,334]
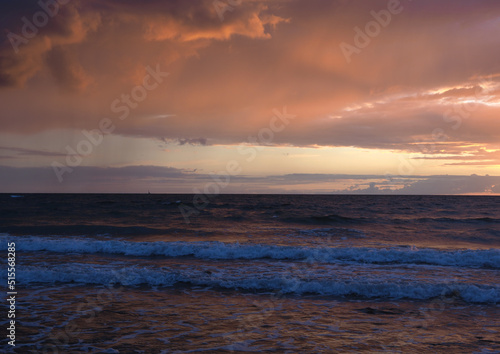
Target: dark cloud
[66,69]
[31,32]
[108,25]
[85,178]
[473,184]
[195,141]
[432,185]
[138,179]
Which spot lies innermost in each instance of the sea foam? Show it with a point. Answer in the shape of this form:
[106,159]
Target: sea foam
[215,250]
[279,283]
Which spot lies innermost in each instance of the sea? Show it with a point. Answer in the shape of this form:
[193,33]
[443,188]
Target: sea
[166,273]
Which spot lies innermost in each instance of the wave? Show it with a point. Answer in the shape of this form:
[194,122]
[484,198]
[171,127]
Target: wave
[332,219]
[215,250]
[87,230]
[281,284]
[458,220]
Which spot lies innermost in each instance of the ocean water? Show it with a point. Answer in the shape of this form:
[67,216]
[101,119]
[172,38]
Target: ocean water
[252,273]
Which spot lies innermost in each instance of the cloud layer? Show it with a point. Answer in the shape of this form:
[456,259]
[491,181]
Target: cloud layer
[140,179]
[424,77]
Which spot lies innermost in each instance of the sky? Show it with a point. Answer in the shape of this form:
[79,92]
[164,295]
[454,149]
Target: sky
[250,96]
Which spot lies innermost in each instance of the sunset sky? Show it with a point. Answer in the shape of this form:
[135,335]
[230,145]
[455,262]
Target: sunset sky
[255,96]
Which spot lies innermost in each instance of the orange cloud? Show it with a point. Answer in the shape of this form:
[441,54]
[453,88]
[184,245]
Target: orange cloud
[423,71]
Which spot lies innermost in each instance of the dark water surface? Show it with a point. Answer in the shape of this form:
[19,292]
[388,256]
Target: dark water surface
[284,273]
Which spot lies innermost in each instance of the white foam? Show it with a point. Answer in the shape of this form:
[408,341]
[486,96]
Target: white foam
[215,250]
[376,286]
